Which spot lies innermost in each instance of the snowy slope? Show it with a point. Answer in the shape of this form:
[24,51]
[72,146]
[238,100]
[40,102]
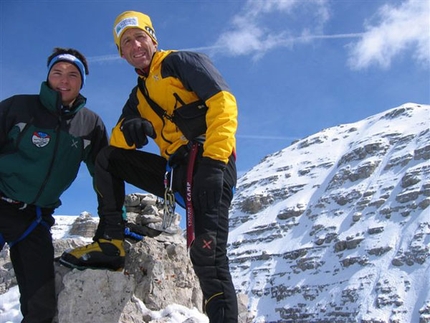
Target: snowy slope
[336,227]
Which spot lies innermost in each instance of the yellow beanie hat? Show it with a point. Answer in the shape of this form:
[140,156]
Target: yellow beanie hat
[132,19]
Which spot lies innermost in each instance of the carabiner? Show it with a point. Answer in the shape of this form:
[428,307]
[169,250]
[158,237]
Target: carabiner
[169,200]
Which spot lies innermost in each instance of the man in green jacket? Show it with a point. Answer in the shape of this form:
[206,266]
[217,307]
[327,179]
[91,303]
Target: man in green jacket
[43,140]
[200,165]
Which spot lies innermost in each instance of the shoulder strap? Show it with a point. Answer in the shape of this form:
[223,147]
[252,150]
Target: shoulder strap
[157,109]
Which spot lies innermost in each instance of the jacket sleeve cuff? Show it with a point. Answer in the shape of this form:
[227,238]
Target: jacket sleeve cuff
[207,161]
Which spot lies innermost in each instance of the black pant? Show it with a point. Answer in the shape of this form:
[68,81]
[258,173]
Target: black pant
[208,252]
[32,259]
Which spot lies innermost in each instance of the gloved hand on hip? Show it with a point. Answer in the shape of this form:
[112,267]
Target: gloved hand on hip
[208,184]
[135,130]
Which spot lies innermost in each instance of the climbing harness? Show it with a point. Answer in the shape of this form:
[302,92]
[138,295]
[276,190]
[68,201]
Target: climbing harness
[30,228]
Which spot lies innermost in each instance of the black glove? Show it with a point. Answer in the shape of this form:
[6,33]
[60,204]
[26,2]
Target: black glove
[135,130]
[208,184]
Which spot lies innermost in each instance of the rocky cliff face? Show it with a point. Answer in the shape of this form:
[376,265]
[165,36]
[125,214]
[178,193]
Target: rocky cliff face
[157,274]
[336,227]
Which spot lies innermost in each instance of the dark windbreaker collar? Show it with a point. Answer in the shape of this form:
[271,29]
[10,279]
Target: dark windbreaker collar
[52,101]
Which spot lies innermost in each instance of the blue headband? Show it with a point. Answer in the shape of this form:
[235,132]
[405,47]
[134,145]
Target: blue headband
[72,59]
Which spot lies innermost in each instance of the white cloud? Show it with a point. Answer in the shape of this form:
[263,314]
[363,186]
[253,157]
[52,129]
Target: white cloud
[104,58]
[249,34]
[265,25]
[405,28]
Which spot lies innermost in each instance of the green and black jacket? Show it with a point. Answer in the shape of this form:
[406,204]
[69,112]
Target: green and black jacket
[43,145]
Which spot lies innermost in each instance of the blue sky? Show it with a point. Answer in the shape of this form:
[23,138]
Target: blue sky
[296,67]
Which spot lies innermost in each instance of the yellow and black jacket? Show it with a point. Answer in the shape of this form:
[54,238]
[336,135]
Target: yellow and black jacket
[175,77]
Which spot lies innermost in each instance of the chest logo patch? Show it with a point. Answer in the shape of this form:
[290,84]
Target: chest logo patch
[40,139]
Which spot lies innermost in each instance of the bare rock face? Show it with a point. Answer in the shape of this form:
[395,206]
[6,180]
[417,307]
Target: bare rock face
[94,296]
[157,273]
[158,269]
[84,226]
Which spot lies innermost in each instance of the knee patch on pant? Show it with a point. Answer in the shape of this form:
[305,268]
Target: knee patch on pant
[202,252]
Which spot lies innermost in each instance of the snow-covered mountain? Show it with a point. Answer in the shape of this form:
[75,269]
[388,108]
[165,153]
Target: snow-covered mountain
[336,227]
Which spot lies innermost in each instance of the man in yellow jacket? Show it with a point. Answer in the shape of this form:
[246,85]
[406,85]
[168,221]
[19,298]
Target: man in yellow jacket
[201,166]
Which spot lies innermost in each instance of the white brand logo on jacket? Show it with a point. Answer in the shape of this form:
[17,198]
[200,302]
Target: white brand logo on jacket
[40,139]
